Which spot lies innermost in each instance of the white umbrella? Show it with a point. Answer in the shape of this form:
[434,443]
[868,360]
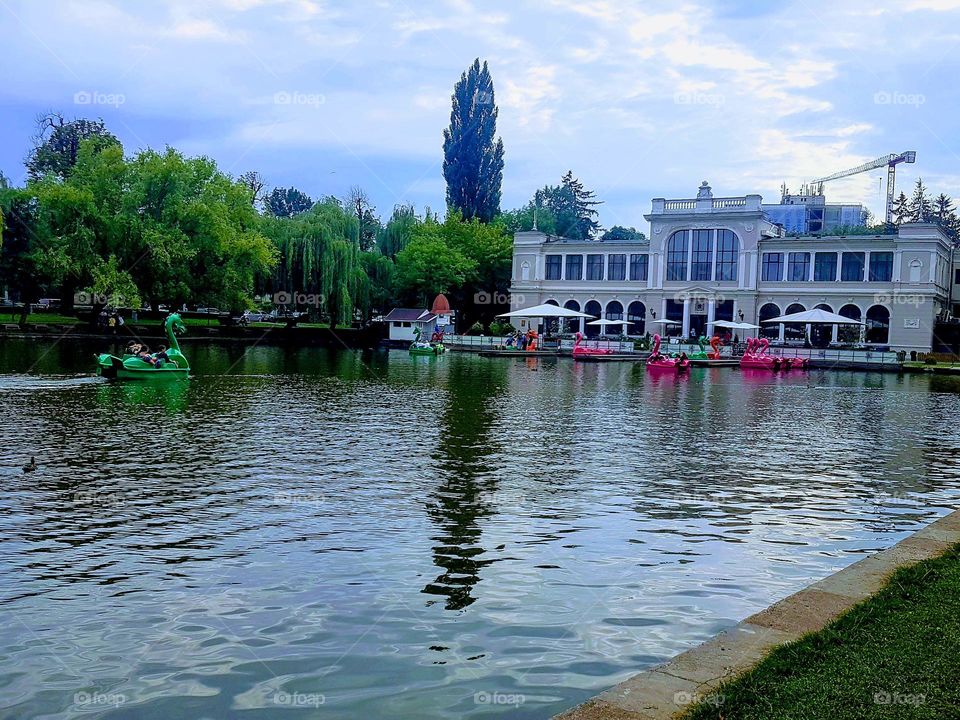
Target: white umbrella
[666,322]
[724,324]
[606,322]
[544,311]
[814,316]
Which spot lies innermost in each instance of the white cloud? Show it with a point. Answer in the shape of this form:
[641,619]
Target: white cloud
[533,97]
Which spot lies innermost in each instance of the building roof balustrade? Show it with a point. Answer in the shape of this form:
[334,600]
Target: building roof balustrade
[706,204]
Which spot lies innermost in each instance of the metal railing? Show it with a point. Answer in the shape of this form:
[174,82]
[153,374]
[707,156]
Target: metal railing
[832,355]
[879,358]
[618,346]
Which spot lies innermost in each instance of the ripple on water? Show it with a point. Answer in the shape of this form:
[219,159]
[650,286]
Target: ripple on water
[363,535]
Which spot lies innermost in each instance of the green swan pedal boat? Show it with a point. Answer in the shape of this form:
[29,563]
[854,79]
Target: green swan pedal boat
[419,347]
[133,367]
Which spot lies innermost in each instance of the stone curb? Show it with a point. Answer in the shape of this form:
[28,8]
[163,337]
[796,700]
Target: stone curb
[665,691]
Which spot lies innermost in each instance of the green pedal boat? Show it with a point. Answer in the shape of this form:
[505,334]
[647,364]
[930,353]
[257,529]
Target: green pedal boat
[421,347]
[170,364]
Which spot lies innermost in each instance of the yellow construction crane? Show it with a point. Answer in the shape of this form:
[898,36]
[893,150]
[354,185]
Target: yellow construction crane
[891,161]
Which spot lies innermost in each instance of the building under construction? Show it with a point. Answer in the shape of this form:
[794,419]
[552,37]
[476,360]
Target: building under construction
[808,213]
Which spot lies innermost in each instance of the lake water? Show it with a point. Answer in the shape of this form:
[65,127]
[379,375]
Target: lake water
[340,534]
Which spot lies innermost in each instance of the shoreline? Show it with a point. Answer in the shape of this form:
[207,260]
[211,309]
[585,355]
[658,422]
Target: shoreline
[666,691]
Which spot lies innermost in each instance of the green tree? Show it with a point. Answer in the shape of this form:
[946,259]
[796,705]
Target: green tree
[522,219]
[901,210]
[397,232]
[57,144]
[286,202]
[320,256]
[618,233]
[920,207]
[583,202]
[428,265]
[21,268]
[190,232]
[380,273]
[472,155]
[944,214]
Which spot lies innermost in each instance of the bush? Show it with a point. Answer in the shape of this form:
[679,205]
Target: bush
[502,328]
[930,361]
[476,329]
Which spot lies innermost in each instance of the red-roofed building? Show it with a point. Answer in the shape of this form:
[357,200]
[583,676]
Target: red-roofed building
[404,321]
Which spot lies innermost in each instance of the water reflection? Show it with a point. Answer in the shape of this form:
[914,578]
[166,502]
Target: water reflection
[402,533]
[467,481]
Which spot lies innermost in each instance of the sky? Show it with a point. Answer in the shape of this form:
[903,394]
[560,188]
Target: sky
[639,99]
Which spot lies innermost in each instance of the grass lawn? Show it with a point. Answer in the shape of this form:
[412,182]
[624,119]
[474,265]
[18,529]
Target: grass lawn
[54,319]
[897,655]
[39,318]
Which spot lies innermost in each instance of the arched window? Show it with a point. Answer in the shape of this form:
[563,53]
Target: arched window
[916,270]
[794,331]
[525,271]
[728,252]
[878,325]
[637,315]
[552,325]
[614,312]
[677,255]
[822,335]
[592,308]
[573,324]
[850,333]
[768,311]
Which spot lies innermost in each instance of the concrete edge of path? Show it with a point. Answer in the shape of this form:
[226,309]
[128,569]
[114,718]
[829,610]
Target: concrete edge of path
[666,690]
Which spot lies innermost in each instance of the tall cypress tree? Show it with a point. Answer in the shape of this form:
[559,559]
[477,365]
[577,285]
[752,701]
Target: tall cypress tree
[472,156]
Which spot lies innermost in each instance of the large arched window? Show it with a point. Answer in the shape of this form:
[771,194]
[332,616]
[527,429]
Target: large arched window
[850,333]
[822,335]
[552,324]
[878,325]
[794,331]
[573,324]
[768,311]
[637,315]
[614,312]
[592,308]
[677,255]
[728,251]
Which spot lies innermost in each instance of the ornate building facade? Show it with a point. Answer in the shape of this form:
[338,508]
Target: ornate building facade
[708,258]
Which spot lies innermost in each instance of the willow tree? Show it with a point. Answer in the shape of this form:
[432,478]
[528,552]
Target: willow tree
[319,257]
[395,235]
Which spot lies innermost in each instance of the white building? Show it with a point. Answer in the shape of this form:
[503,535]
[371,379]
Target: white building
[713,258]
[403,322]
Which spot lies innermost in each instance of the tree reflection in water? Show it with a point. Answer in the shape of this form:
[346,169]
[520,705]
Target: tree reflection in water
[466,481]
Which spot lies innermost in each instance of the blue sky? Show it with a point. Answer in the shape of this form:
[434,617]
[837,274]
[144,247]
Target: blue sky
[639,99]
